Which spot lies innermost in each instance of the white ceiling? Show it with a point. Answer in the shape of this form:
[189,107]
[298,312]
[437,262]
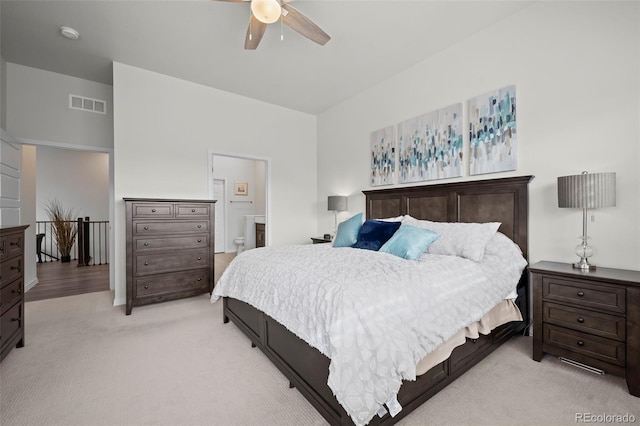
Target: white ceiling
[202,41]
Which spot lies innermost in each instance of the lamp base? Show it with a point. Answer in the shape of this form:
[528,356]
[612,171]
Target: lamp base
[584,265]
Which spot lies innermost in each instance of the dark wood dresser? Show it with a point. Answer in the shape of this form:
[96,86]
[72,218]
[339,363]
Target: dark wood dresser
[589,317]
[11,288]
[169,249]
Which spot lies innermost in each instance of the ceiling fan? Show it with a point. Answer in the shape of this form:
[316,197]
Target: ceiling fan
[265,12]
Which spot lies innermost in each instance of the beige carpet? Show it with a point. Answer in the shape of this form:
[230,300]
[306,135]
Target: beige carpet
[86,363]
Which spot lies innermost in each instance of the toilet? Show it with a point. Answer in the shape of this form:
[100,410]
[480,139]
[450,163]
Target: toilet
[239,242]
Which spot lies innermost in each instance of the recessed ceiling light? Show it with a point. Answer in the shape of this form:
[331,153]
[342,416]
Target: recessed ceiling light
[69,33]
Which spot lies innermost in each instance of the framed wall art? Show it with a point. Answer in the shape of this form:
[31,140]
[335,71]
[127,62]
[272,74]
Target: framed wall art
[493,132]
[383,157]
[240,188]
[430,146]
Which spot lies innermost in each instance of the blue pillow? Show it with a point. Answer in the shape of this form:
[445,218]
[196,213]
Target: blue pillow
[374,233]
[409,242]
[347,233]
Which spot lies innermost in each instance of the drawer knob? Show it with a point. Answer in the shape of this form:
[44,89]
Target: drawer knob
[146,287]
[146,263]
[199,226]
[199,258]
[146,244]
[193,210]
[580,343]
[16,292]
[581,294]
[146,228]
[199,278]
[199,240]
[153,210]
[17,244]
[580,320]
[474,340]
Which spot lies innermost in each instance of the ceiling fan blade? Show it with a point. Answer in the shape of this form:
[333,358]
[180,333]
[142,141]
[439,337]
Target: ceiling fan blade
[254,33]
[303,25]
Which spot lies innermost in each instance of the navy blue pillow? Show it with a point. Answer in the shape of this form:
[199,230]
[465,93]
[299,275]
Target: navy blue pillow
[374,233]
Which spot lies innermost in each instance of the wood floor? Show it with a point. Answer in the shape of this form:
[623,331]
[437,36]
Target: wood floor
[57,279]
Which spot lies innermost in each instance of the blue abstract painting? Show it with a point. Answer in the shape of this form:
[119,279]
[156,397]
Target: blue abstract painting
[492,132]
[430,145]
[383,157]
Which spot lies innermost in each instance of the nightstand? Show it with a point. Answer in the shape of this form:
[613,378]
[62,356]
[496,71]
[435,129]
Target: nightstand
[589,317]
[320,240]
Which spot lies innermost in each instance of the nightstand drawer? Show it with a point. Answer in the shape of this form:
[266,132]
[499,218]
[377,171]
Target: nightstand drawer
[605,325]
[583,294]
[10,294]
[595,347]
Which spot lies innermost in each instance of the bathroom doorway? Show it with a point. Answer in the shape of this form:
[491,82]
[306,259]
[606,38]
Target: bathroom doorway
[240,183]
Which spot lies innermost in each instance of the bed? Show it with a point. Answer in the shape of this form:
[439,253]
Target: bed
[502,200]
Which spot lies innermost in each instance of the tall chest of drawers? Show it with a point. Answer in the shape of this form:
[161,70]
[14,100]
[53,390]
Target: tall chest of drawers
[170,249]
[11,288]
[589,317]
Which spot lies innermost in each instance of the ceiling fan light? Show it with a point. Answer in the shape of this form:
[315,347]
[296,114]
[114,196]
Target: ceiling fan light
[266,11]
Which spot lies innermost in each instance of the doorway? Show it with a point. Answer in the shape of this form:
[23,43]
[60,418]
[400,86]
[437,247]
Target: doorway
[81,179]
[243,182]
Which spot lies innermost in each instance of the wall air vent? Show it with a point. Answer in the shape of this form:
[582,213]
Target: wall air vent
[87,104]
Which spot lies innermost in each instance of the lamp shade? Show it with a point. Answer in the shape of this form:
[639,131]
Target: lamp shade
[587,190]
[337,203]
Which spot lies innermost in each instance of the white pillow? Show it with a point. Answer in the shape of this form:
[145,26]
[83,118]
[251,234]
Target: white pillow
[466,240]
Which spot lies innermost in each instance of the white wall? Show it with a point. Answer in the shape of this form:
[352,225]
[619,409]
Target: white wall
[3,92]
[27,214]
[38,108]
[78,179]
[164,128]
[575,66]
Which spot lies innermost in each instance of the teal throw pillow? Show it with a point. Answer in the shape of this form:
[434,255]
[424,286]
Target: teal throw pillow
[347,233]
[409,242]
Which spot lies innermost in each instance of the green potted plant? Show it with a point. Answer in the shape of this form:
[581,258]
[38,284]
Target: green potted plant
[63,228]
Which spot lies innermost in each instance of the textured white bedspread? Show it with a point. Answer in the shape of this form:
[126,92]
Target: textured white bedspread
[373,314]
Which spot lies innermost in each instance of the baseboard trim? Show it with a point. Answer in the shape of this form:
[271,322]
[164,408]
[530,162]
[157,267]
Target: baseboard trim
[32,284]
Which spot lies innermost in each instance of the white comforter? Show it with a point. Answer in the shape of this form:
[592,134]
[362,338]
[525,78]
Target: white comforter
[373,314]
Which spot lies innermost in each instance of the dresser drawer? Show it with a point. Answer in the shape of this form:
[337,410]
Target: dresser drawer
[177,227]
[605,325]
[143,210]
[10,294]
[579,293]
[11,244]
[11,325]
[156,263]
[171,243]
[595,347]
[169,283]
[192,210]
[11,270]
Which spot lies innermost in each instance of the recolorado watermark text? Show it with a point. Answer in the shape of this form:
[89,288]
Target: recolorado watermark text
[605,418]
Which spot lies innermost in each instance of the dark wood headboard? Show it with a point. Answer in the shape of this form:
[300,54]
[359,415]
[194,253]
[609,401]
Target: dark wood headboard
[502,200]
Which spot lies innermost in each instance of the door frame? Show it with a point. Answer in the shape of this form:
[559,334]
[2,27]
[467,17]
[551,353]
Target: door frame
[267,184]
[224,213]
[91,148]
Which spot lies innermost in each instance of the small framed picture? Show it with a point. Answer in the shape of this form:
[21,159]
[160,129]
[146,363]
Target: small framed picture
[241,188]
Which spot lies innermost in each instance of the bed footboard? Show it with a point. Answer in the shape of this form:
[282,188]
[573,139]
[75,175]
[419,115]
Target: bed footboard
[307,369]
